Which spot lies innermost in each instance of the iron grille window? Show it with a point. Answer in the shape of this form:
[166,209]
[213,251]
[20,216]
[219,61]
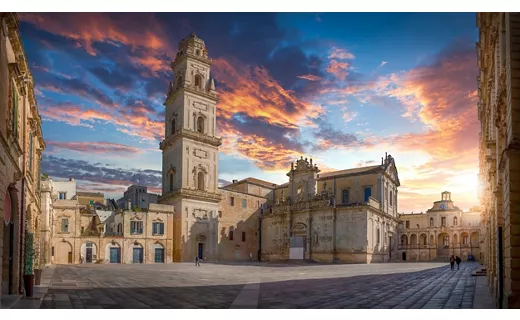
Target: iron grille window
[64,225]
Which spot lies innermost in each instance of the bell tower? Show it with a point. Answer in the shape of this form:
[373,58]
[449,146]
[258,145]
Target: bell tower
[190,147]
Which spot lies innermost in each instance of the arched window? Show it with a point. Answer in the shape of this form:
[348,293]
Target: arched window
[200,181]
[198,81]
[431,222]
[179,82]
[391,197]
[200,124]
[197,52]
[368,193]
[454,221]
[173,126]
[171,182]
[344,196]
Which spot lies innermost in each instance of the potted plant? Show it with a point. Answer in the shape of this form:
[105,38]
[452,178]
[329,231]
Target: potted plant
[28,277]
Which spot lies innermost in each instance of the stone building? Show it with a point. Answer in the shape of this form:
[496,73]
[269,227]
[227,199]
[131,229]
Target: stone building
[343,216]
[90,198]
[498,52]
[442,231]
[349,215]
[21,146]
[137,197]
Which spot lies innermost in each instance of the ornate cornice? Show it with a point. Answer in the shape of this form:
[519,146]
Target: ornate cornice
[193,194]
[192,135]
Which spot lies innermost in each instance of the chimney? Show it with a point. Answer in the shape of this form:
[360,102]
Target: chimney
[235,181]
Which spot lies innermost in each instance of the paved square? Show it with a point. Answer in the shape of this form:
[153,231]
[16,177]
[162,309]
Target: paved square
[182,285]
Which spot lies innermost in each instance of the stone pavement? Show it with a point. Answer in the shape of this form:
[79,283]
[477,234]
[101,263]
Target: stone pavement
[215,286]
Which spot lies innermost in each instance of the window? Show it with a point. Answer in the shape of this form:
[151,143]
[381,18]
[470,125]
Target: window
[198,81]
[407,224]
[454,221]
[119,228]
[197,52]
[173,126]
[378,236]
[64,225]
[200,181]
[220,214]
[30,152]
[431,222]
[243,237]
[368,193]
[232,201]
[344,196]
[82,230]
[136,227]
[465,239]
[14,109]
[244,203]
[446,241]
[52,251]
[391,197]
[62,195]
[231,235]
[158,228]
[200,124]
[89,244]
[171,182]
[443,221]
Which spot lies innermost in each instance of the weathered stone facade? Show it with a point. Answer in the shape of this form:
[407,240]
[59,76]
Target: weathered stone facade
[345,222]
[499,114]
[21,145]
[442,231]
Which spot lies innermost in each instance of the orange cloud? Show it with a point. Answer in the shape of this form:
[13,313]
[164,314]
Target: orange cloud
[341,54]
[310,77]
[338,69]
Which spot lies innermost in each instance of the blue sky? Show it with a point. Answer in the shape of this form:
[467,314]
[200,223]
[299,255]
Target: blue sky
[343,88]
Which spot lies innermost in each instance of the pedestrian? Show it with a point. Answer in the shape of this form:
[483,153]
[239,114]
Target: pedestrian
[197,261]
[457,259]
[452,262]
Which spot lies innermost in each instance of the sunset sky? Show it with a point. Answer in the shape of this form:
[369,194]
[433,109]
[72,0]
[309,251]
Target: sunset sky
[340,88]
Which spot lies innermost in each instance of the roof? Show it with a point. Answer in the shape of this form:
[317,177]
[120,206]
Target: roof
[103,215]
[264,183]
[348,171]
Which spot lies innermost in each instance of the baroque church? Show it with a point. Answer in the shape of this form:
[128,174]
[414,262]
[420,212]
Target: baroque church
[344,216]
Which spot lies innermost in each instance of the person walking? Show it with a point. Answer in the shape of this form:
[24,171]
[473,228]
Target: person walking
[197,261]
[452,262]
[457,259]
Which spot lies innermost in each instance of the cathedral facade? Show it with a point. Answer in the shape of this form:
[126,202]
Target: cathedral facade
[349,215]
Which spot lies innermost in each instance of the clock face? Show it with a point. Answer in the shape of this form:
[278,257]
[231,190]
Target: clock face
[443,206]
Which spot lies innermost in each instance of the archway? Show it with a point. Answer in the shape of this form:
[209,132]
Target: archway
[88,252]
[113,252]
[8,253]
[298,241]
[423,240]
[158,250]
[63,252]
[404,240]
[443,241]
[137,253]
[413,239]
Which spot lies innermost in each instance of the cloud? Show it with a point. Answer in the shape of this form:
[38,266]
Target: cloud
[382,64]
[108,175]
[341,54]
[105,148]
[310,77]
[338,69]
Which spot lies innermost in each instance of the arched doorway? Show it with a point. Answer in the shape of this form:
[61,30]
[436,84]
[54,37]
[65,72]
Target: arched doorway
[158,250]
[298,241]
[8,252]
[113,252]
[201,241]
[137,253]
[88,252]
[404,256]
[63,252]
